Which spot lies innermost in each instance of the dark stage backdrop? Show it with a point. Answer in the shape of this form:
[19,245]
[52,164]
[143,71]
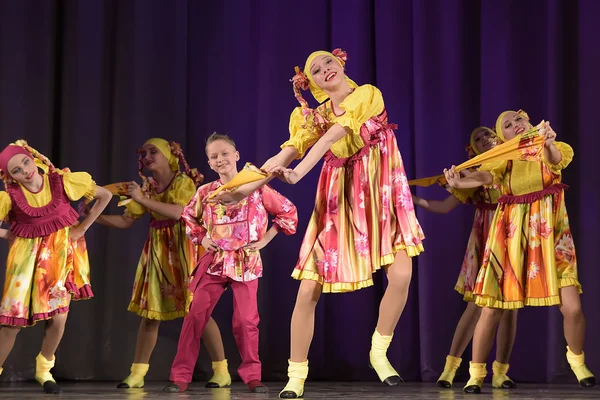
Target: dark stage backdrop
[87,82]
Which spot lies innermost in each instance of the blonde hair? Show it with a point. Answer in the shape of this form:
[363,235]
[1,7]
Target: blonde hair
[218,136]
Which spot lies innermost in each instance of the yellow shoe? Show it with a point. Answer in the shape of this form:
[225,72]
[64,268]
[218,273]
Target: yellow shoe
[43,375]
[477,371]
[221,377]
[500,380]
[297,372]
[447,377]
[577,363]
[379,361]
[136,378]
[1,369]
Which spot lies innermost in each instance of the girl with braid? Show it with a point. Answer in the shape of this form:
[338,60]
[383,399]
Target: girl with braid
[47,264]
[160,290]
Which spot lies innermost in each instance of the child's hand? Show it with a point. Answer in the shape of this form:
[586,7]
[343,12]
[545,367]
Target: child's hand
[76,233]
[549,134]
[134,191]
[256,246]
[286,174]
[209,244]
[452,176]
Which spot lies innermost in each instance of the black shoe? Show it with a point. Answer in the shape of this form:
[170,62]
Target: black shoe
[172,388]
[472,389]
[212,385]
[52,388]
[444,384]
[393,380]
[122,385]
[588,382]
[288,394]
[508,384]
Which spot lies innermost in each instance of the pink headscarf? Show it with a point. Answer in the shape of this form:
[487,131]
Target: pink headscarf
[9,152]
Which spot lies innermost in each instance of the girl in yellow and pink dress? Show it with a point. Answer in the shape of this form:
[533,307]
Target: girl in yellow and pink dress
[47,264]
[363,219]
[160,290]
[485,200]
[529,257]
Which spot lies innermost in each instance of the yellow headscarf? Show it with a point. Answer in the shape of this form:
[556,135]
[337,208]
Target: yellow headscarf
[472,139]
[165,148]
[318,93]
[499,131]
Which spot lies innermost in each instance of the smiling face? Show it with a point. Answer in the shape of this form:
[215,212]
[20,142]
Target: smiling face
[22,169]
[514,124]
[484,140]
[152,158]
[222,157]
[326,72]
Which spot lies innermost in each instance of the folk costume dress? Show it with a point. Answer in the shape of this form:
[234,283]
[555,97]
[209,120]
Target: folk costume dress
[45,269]
[160,290]
[363,211]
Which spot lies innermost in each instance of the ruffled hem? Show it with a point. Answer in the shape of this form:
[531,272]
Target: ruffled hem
[532,197]
[329,287]
[490,302]
[83,293]
[56,191]
[468,295]
[29,322]
[36,230]
[411,251]
[155,315]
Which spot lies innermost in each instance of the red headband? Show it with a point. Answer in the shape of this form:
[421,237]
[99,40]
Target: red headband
[9,152]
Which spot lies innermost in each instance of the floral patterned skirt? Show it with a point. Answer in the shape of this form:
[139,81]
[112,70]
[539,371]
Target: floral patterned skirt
[160,290]
[529,255]
[474,253]
[42,276]
[363,216]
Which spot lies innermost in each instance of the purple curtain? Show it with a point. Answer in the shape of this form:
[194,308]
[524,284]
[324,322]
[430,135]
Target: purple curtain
[87,82]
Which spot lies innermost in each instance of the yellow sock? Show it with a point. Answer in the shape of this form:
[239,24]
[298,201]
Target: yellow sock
[42,369]
[577,363]
[136,378]
[378,356]
[297,372]
[452,364]
[500,376]
[220,374]
[477,372]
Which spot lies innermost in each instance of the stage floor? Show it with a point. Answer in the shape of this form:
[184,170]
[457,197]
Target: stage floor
[314,390]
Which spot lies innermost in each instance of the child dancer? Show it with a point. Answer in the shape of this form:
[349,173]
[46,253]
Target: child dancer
[363,218]
[529,257]
[160,289]
[233,236]
[485,201]
[47,262]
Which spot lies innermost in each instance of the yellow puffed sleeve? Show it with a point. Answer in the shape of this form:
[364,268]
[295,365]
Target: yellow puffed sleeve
[464,195]
[364,103]
[300,138]
[567,156]
[78,185]
[5,205]
[181,191]
[497,169]
[134,209]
